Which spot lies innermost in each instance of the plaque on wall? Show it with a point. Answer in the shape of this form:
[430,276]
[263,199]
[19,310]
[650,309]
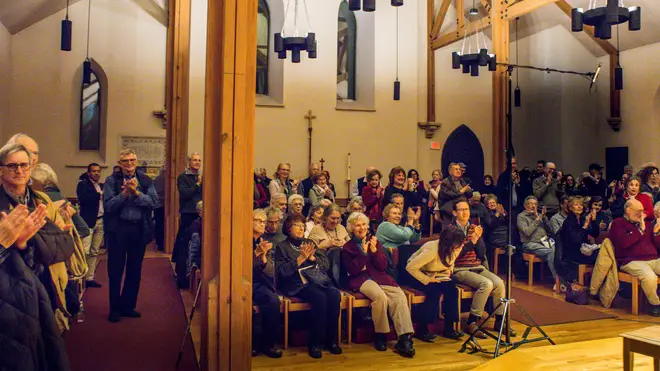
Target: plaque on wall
[150,151]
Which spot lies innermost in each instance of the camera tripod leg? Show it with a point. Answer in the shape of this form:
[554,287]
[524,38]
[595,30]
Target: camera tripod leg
[507,307]
[534,325]
[190,318]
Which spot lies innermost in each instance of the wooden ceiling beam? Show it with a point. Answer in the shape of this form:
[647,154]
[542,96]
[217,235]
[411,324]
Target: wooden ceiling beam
[453,36]
[521,8]
[486,5]
[460,17]
[439,18]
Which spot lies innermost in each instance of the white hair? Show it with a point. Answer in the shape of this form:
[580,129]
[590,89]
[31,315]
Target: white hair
[16,137]
[353,218]
[261,212]
[11,148]
[45,174]
[296,197]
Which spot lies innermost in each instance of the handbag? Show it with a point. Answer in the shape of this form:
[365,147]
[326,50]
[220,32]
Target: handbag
[314,274]
[577,294]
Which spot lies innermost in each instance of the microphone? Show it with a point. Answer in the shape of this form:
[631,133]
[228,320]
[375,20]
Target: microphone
[595,77]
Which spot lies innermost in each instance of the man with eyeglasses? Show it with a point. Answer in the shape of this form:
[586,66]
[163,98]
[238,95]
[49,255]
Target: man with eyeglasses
[189,185]
[128,201]
[273,232]
[636,245]
[32,146]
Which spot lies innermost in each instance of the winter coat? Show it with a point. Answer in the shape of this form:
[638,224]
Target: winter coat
[605,277]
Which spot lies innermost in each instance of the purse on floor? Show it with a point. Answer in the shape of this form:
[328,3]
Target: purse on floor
[577,294]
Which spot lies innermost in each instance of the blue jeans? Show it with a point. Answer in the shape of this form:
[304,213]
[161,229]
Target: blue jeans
[544,253]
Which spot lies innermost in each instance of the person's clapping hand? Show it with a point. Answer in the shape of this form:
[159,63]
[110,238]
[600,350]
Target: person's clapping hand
[11,225]
[32,224]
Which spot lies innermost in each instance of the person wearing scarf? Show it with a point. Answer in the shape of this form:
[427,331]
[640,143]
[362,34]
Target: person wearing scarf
[321,190]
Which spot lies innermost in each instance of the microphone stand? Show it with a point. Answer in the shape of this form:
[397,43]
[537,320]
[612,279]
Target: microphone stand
[503,338]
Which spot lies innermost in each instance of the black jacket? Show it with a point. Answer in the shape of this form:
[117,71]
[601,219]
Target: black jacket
[263,274]
[573,236]
[113,189]
[189,193]
[287,269]
[29,336]
[88,199]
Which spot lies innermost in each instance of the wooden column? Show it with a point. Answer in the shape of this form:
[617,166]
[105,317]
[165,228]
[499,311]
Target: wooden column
[501,46]
[176,102]
[228,185]
[430,61]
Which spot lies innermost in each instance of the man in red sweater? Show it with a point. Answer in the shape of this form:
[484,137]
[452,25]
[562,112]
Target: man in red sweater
[636,246]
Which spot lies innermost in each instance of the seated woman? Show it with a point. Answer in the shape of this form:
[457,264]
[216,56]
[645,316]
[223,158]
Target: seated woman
[392,235]
[576,231]
[497,229]
[431,267]
[603,218]
[372,195]
[263,290]
[302,272]
[315,218]
[633,191]
[355,205]
[296,204]
[320,190]
[650,182]
[330,233]
[365,261]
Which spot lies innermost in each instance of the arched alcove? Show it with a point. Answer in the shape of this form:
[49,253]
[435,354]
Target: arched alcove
[94,110]
[462,145]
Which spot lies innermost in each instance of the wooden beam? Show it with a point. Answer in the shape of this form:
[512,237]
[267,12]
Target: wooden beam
[460,16]
[154,10]
[176,96]
[231,48]
[486,5]
[439,17]
[501,45]
[589,30]
[453,36]
[430,57]
[519,9]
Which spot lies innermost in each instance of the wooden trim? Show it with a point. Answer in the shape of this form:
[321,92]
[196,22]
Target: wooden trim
[486,4]
[460,14]
[435,24]
[453,36]
[519,9]
[177,83]
[229,160]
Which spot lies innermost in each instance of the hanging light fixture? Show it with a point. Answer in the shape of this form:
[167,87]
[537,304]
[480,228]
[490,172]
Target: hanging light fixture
[67,31]
[295,43]
[603,18]
[397,84]
[368,5]
[87,64]
[471,61]
[473,10]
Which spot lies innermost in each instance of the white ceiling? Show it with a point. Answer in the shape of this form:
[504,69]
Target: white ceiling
[17,15]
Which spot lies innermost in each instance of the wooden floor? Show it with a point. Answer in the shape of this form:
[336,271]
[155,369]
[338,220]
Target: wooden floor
[443,355]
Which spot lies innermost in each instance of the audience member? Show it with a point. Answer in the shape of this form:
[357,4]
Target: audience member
[603,218]
[568,186]
[546,189]
[398,184]
[470,268]
[534,228]
[332,186]
[650,182]
[497,234]
[489,186]
[576,231]
[636,244]
[478,210]
[434,191]
[391,234]
[360,183]
[504,186]
[90,200]
[595,185]
[302,272]
[128,201]
[260,196]
[321,190]
[305,186]
[273,232]
[189,185]
[372,195]
[355,205]
[558,219]
[296,205]
[265,331]
[431,268]
[366,262]
[315,218]
[330,233]
[281,184]
[279,201]
[453,187]
[632,192]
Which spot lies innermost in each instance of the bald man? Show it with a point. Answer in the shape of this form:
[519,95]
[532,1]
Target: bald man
[636,246]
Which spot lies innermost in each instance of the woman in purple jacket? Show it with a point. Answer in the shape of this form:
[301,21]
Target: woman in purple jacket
[365,261]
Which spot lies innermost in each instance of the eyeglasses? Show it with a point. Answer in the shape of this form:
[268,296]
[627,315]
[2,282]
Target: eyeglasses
[128,160]
[297,225]
[259,221]
[25,166]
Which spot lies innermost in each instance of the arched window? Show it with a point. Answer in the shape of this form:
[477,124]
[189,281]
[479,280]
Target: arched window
[263,37]
[346,55]
[93,110]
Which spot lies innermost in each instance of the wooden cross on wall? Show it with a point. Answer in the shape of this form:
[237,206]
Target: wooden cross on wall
[322,163]
[309,117]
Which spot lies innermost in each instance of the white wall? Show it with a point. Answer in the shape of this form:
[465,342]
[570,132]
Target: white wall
[385,138]
[5,78]
[640,105]
[46,82]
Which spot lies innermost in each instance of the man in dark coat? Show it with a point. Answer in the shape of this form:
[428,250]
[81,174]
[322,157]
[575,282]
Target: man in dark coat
[90,199]
[128,201]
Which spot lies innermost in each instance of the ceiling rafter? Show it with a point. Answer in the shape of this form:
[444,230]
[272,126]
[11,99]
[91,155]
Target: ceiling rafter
[513,11]
[453,36]
[440,18]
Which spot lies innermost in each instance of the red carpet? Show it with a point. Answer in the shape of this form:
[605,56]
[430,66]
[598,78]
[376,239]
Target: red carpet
[150,343]
[545,310]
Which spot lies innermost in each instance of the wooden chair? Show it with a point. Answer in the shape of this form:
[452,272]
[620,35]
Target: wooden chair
[531,259]
[635,283]
[496,258]
[359,300]
[294,304]
[583,270]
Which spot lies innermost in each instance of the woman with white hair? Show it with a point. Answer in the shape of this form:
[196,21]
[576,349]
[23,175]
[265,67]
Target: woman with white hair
[296,205]
[365,261]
